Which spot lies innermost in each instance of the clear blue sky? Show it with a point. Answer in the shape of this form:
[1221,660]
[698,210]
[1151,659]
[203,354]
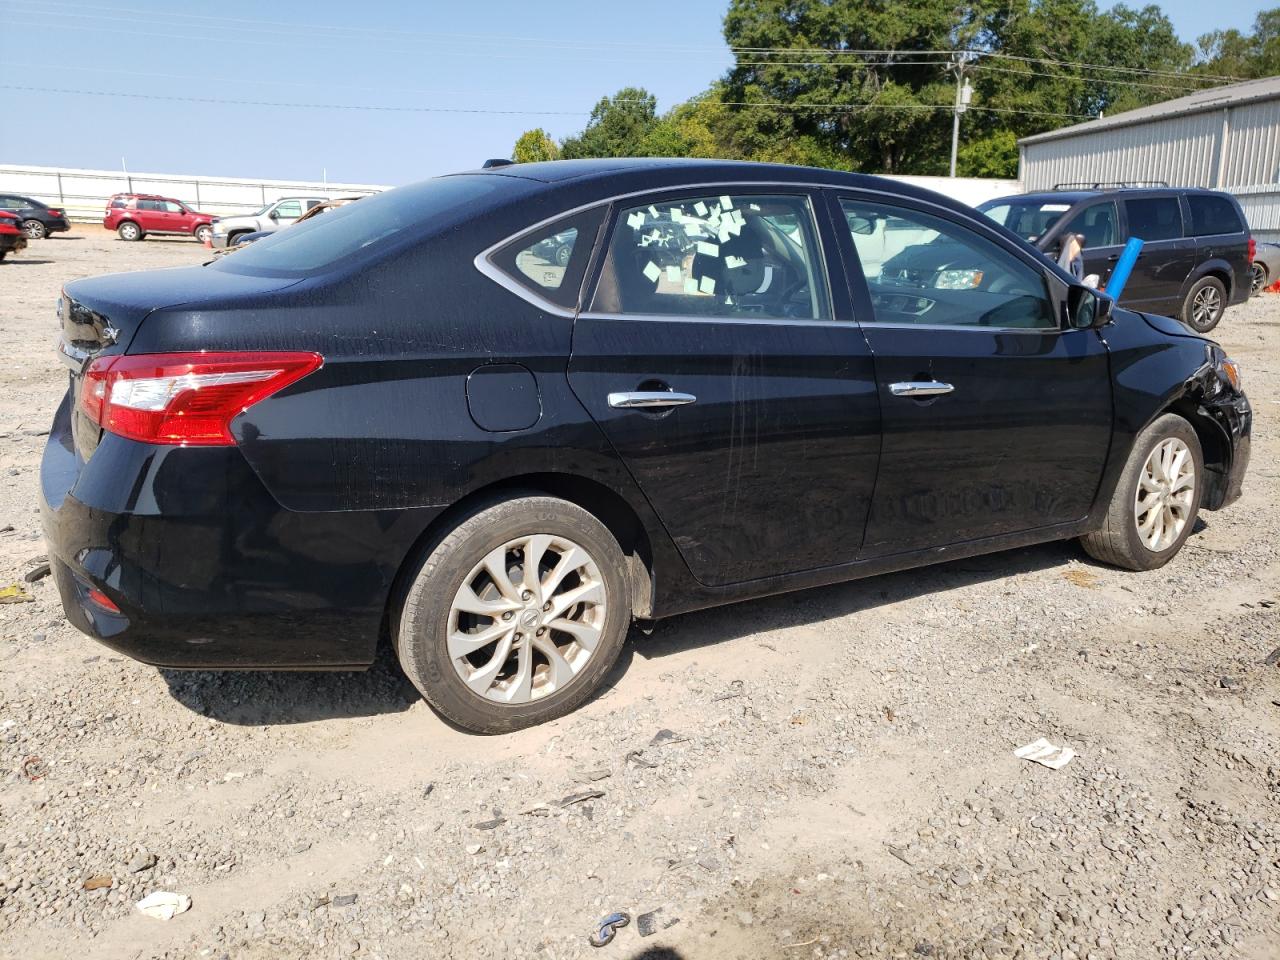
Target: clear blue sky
[549,61]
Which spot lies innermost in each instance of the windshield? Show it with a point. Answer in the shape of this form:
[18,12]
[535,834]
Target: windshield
[311,245]
[1029,219]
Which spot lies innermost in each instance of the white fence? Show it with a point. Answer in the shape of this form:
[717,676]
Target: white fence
[84,193]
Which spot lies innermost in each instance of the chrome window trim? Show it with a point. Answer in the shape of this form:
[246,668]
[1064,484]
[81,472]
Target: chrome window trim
[976,327]
[746,321]
[484,259]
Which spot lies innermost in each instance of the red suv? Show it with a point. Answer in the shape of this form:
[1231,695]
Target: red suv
[134,215]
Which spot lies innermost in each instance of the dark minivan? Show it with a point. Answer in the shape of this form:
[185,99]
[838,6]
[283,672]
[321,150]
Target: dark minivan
[414,420]
[1197,254]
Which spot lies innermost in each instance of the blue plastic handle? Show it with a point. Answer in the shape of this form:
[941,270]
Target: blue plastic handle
[1124,266]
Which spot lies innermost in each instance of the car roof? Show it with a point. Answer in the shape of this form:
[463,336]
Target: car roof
[617,176]
[1077,196]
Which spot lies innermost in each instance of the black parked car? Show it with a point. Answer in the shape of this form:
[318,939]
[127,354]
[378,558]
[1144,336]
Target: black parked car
[1197,256]
[395,421]
[38,219]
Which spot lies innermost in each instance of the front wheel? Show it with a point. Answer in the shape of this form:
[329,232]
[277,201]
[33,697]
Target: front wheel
[1257,279]
[204,233]
[1156,500]
[1205,303]
[516,615]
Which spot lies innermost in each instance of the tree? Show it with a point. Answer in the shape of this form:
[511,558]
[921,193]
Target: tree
[617,128]
[1234,54]
[534,145]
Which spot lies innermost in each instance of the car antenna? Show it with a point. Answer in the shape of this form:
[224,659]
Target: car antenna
[496,162]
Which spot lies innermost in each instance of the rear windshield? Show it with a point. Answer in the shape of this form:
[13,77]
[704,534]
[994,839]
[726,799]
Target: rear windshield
[1029,219]
[315,244]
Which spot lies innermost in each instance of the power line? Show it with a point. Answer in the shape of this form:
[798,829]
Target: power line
[1106,80]
[294,28]
[225,101]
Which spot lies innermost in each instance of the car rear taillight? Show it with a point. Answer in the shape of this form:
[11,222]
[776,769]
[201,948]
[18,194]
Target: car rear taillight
[54,213]
[188,399]
[1253,249]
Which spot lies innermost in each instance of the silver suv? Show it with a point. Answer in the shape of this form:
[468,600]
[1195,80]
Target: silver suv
[269,219]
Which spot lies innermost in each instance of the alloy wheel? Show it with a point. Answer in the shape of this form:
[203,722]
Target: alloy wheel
[526,619]
[1165,494]
[1206,305]
[1257,279]
[34,230]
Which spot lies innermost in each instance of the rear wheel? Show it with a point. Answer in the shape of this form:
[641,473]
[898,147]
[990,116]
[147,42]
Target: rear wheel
[516,615]
[1257,279]
[204,233]
[1156,501]
[129,231]
[34,229]
[1206,300]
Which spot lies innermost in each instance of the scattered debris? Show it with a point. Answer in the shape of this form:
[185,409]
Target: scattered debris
[647,924]
[638,758]
[15,594]
[580,797]
[344,900]
[736,689]
[1081,578]
[1273,658]
[33,768]
[489,824]
[1229,683]
[163,905]
[143,861]
[474,848]
[607,928]
[599,773]
[664,737]
[1046,754]
[901,854]
[889,714]
[100,881]
[39,569]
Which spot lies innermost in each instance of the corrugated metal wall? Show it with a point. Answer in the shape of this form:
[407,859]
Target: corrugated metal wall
[1253,145]
[1182,151]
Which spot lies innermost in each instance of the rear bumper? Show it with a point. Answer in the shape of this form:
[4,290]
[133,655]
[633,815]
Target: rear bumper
[206,569]
[58,225]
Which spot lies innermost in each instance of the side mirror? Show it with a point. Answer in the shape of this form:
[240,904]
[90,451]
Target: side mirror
[1089,309]
[274,214]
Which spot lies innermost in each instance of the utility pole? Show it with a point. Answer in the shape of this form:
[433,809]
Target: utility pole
[964,93]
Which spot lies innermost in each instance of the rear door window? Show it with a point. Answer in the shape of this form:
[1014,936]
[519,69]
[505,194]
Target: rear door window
[1154,218]
[718,255]
[1212,215]
[1097,223]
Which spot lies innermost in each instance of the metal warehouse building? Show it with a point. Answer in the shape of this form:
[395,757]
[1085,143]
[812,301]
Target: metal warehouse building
[1226,138]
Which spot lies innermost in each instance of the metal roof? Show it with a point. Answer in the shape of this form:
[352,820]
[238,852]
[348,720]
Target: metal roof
[1213,98]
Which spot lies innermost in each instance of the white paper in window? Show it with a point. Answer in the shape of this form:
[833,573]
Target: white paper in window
[652,272]
[673,274]
[708,249]
[707,285]
[636,220]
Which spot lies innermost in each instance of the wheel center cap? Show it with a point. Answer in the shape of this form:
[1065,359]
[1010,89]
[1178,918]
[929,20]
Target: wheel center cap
[530,617]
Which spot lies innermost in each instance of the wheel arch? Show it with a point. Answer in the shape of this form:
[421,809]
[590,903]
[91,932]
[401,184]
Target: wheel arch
[1215,445]
[1217,268]
[602,502]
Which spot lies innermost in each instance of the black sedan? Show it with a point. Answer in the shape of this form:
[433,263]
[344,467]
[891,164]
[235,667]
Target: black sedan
[402,421]
[38,219]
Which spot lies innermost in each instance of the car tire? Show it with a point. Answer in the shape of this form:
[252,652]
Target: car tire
[1257,279]
[34,229]
[129,231]
[1128,537]
[1205,303]
[511,680]
[563,255]
[204,233]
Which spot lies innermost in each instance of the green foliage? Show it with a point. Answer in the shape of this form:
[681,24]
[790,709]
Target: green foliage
[1234,54]
[798,92]
[617,127]
[534,145]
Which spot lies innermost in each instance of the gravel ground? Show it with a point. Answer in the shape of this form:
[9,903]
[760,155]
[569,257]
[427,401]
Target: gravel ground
[826,774]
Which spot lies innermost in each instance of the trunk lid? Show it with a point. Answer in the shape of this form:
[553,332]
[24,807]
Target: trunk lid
[99,316]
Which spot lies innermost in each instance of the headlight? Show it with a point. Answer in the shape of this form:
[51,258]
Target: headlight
[1230,370]
[958,279]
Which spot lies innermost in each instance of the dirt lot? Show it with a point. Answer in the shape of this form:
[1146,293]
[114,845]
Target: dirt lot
[837,779]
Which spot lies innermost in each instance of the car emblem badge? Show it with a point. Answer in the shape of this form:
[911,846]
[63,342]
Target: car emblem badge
[529,618]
